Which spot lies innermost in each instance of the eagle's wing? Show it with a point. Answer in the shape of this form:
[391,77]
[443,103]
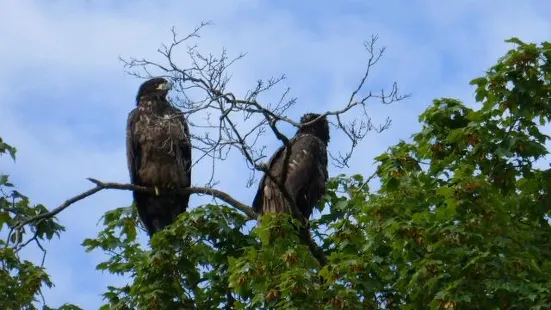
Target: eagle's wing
[307,172]
[305,176]
[258,201]
[132,147]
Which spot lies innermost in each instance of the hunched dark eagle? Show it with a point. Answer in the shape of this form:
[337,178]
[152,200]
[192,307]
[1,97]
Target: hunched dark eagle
[304,173]
[158,150]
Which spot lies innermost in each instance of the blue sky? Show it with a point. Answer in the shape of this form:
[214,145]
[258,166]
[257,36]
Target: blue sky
[64,97]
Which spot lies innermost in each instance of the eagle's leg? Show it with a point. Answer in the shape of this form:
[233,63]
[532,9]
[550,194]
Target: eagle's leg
[168,186]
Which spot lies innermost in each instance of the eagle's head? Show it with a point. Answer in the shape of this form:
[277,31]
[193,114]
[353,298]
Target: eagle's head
[319,128]
[155,87]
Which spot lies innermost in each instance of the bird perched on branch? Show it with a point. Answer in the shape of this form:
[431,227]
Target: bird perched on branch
[300,167]
[158,150]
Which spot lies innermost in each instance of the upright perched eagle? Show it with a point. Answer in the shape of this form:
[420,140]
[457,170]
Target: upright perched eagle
[301,167]
[158,150]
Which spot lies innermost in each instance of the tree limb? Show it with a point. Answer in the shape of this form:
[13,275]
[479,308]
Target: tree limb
[248,211]
[120,186]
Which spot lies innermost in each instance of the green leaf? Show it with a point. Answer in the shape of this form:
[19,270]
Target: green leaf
[515,40]
[4,218]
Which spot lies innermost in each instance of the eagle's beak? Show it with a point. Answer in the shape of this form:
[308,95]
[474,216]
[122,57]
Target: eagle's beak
[165,86]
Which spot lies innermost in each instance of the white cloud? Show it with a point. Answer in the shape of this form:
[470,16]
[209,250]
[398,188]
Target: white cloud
[64,97]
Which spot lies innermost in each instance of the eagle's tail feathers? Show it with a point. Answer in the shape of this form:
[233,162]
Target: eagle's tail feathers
[157,212]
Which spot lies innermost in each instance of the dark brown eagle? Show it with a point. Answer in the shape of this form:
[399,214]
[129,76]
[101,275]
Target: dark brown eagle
[158,150]
[303,174]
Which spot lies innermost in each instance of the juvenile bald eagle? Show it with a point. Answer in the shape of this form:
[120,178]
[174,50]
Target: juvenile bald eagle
[303,175]
[158,150]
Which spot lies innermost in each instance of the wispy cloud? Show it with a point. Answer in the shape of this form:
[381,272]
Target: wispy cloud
[64,97]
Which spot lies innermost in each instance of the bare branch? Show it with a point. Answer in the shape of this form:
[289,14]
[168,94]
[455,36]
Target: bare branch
[120,186]
[201,92]
[100,185]
[228,122]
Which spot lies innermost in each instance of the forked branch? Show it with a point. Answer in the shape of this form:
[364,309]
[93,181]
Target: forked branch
[226,121]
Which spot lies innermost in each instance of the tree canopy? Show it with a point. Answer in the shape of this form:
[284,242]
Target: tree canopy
[459,221]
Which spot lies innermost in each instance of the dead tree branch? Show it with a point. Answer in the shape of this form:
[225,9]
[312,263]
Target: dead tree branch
[99,186]
[230,122]
[120,186]
[226,121]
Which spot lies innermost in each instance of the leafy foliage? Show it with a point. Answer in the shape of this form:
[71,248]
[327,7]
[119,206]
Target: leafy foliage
[460,221]
[21,280]
[462,211]
[187,264]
